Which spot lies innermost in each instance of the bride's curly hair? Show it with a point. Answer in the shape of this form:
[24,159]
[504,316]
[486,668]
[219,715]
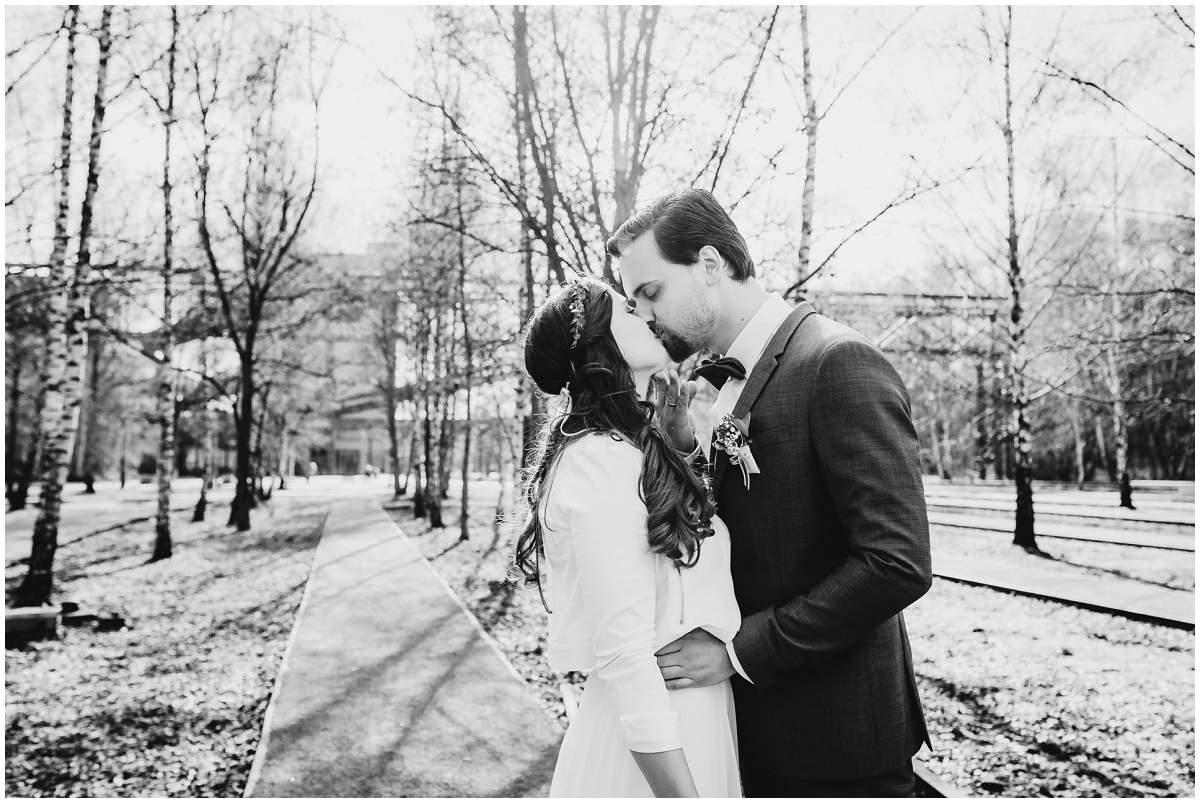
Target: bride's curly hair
[603,399]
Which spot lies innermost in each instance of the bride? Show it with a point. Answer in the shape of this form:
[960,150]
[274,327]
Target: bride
[633,558]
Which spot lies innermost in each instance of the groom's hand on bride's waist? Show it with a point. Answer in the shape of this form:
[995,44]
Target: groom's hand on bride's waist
[696,659]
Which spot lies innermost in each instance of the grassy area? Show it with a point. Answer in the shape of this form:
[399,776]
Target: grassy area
[172,706]
[1024,698]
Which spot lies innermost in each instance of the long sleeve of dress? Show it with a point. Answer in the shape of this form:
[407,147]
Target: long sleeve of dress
[617,579]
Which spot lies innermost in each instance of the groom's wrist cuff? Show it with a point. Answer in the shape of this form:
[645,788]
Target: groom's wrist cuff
[737,665]
[697,450]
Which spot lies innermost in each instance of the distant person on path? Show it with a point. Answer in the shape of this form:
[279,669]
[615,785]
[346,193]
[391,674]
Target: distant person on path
[815,470]
[634,558]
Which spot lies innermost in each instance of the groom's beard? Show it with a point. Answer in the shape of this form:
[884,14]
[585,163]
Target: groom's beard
[677,348]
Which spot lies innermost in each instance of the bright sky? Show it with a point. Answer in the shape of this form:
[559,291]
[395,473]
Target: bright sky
[909,108]
[909,100]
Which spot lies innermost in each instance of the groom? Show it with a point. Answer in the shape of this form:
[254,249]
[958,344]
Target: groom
[830,538]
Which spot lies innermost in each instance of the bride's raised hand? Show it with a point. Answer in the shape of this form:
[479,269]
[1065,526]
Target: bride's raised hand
[672,400]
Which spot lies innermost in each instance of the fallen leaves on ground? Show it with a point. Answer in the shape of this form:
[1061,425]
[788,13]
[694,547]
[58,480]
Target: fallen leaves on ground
[1027,698]
[173,705]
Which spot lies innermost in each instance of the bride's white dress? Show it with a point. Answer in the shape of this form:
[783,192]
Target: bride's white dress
[613,603]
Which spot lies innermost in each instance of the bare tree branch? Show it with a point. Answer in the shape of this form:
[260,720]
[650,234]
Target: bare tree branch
[916,192]
[741,108]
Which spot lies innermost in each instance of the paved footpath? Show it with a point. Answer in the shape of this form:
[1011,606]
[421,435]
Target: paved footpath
[389,688]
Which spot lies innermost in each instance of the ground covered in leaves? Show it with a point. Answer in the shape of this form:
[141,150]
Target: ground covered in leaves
[1035,699]
[171,706]
[1024,698]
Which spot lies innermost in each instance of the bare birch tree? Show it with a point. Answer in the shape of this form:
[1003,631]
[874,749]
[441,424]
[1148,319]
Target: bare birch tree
[167,376]
[1018,327]
[68,332]
[814,114]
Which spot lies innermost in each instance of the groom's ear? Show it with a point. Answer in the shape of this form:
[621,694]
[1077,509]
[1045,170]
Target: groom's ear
[713,264]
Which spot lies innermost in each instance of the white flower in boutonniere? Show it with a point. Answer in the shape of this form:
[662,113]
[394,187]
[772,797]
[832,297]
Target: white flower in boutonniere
[732,436]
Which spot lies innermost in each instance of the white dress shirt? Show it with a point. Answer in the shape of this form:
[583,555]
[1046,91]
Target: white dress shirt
[612,601]
[747,347]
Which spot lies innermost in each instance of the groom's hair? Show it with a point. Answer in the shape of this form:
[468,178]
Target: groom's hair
[683,222]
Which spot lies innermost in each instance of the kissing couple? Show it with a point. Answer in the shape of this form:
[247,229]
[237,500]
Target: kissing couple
[737,603]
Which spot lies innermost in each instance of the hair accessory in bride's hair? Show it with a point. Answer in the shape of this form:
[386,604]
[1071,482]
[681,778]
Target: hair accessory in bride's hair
[578,316]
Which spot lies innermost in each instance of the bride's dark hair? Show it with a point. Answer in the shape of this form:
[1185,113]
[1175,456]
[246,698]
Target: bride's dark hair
[603,399]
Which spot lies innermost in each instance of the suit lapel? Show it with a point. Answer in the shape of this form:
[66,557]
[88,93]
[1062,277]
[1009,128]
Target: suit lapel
[761,374]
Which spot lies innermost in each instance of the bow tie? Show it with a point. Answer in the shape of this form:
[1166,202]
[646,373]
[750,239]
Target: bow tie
[718,370]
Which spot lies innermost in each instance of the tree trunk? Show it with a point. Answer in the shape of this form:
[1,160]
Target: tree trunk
[68,329]
[935,450]
[507,462]
[1102,446]
[1023,531]
[257,452]
[12,454]
[1120,431]
[239,510]
[85,459]
[629,71]
[437,474]
[811,121]
[417,461]
[445,446]
[464,525]
[91,460]
[166,380]
[542,155]
[432,492]
[387,347]
[124,451]
[285,447]
[210,422]
[85,405]
[1077,433]
[1116,336]
[166,463]
[983,413]
[394,448]
[947,453]
[207,477]
[528,402]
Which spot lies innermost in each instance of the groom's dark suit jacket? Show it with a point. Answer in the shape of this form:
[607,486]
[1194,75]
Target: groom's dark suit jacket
[830,543]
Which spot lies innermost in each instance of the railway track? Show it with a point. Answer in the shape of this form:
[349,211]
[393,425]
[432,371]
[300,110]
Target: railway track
[1120,596]
[1174,622]
[1176,541]
[930,784]
[1180,517]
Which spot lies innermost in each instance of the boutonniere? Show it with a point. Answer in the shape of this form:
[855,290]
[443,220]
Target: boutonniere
[732,436]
